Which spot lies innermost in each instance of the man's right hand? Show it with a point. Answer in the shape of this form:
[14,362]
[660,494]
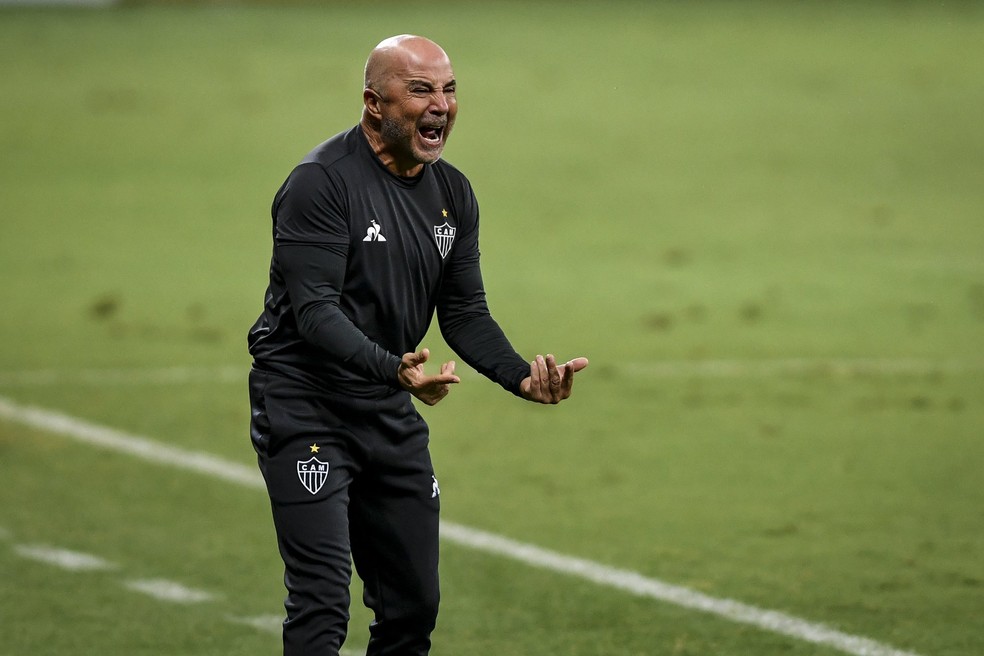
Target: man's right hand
[429,389]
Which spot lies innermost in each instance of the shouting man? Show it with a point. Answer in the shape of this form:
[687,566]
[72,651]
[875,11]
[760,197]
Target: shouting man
[372,232]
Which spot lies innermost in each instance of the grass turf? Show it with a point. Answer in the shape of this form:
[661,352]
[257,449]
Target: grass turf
[658,182]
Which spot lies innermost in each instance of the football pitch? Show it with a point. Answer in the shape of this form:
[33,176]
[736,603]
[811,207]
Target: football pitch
[762,222]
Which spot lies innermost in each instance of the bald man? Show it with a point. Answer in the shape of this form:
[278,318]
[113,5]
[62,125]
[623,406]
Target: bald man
[372,233]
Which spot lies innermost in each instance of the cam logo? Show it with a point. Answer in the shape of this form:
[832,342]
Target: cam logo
[444,234]
[313,474]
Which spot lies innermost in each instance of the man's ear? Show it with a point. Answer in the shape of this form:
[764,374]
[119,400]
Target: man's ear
[372,102]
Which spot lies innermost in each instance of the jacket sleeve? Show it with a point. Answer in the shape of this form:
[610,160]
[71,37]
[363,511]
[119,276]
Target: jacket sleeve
[311,244]
[463,313]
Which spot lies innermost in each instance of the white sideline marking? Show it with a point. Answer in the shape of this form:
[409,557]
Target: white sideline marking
[159,589]
[134,445]
[643,586]
[71,560]
[651,369]
[165,590]
[625,580]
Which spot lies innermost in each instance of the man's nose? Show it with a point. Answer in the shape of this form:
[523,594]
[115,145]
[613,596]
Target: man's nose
[439,103]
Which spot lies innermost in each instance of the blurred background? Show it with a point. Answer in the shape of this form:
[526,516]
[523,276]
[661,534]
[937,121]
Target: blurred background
[762,222]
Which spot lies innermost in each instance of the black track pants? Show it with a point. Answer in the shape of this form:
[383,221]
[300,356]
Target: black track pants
[349,478]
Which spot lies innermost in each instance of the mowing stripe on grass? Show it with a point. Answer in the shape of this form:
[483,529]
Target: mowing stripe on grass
[58,3]
[265,623]
[135,376]
[74,561]
[625,580]
[165,590]
[829,367]
[275,624]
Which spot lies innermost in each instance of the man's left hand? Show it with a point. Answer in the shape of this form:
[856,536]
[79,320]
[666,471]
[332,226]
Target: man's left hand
[548,382]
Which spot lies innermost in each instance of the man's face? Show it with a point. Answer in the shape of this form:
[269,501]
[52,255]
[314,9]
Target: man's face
[418,110]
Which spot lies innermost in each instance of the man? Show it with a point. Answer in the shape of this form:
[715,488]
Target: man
[372,232]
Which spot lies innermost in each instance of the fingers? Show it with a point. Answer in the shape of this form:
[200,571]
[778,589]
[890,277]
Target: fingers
[578,363]
[434,388]
[446,377]
[567,380]
[429,389]
[550,383]
[546,380]
[538,379]
[569,368]
[415,359]
[553,372]
[433,394]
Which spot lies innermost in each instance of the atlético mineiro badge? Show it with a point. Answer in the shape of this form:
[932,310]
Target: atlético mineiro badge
[313,474]
[444,234]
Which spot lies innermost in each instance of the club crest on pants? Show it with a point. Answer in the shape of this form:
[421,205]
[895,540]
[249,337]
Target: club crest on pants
[313,474]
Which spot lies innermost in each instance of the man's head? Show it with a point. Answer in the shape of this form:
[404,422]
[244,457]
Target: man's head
[409,102]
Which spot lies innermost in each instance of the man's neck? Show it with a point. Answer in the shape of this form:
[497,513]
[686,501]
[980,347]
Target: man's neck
[388,160]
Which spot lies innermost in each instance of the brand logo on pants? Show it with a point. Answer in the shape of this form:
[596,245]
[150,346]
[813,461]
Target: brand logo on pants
[313,474]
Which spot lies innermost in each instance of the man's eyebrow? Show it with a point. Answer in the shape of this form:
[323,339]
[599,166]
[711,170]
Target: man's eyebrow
[425,83]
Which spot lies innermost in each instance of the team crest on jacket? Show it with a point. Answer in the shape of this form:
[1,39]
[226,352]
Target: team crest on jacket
[444,234]
[313,474]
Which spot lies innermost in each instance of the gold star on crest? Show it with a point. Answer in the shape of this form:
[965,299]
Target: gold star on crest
[315,448]
[444,213]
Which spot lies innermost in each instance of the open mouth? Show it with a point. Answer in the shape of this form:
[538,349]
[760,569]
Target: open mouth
[431,134]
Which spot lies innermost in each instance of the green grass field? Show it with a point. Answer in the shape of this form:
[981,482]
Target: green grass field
[762,222]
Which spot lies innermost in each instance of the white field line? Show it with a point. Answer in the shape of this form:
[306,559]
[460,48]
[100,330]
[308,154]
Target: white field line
[724,368]
[74,561]
[133,445]
[165,590]
[160,589]
[625,580]
[642,586]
